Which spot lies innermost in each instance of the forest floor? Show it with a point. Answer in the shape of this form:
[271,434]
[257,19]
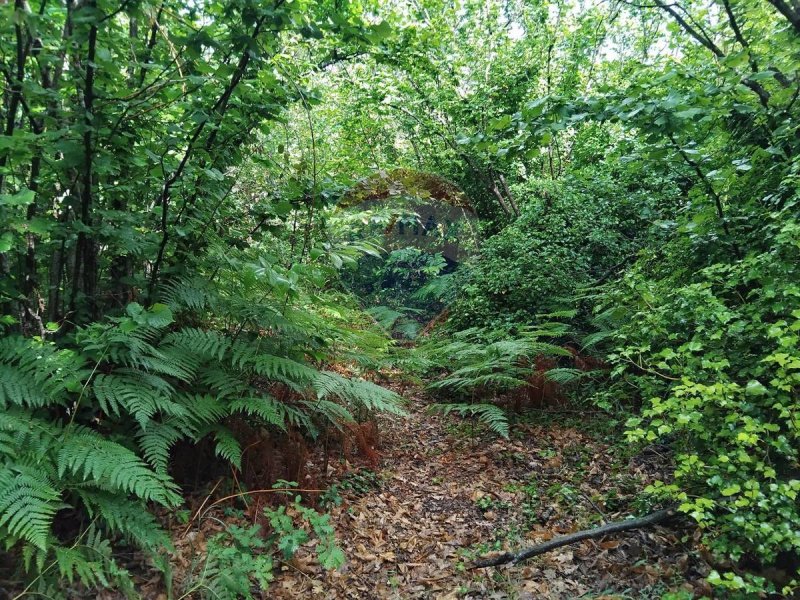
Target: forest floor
[445,494]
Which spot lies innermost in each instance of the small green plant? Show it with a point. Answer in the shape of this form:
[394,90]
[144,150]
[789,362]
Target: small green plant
[362,481]
[237,559]
[240,559]
[490,415]
[290,527]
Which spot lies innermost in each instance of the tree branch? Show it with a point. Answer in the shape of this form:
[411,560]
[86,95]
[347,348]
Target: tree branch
[615,527]
[792,15]
[697,35]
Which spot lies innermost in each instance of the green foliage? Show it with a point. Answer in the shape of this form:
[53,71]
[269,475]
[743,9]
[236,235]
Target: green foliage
[569,236]
[240,560]
[288,537]
[89,428]
[170,255]
[489,362]
[477,364]
[235,561]
[715,354]
[490,415]
[402,290]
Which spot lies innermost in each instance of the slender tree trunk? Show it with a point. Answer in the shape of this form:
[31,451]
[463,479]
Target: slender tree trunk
[85,272]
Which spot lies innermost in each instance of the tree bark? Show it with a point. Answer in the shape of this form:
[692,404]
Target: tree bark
[85,274]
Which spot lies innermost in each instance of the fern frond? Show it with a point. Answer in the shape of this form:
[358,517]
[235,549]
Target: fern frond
[194,294]
[107,463]
[75,563]
[201,409]
[171,362]
[332,412]
[18,389]
[559,314]
[385,316]
[156,441]
[92,562]
[27,434]
[359,392]
[28,503]
[282,369]
[595,338]
[13,346]
[490,415]
[223,383]
[202,342]
[227,446]
[140,394]
[132,520]
[564,376]
[265,408]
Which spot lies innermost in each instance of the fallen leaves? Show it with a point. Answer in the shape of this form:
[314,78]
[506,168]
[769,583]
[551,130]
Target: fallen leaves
[444,500]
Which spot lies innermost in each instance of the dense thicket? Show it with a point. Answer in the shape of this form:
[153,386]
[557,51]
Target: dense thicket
[180,249]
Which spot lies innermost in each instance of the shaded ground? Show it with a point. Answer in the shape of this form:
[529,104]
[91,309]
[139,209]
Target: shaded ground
[444,494]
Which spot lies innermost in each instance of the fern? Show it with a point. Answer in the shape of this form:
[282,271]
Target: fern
[266,408]
[333,413]
[201,409]
[282,369]
[141,395]
[132,520]
[194,294]
[155,443]
[223,382]
[358,392]
[386,317]
[483,363]
[87,455]
[28,504]
[90,427]
[564,376]
[204,343]
[490,415]
[227,446]
[16,388]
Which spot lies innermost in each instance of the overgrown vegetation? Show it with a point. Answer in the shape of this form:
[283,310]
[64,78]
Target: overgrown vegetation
[218,218]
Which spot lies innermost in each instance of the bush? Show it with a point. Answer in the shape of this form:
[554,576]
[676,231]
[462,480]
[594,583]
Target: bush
[570,235]
[716,357]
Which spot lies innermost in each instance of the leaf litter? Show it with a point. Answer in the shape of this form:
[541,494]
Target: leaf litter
[446,495]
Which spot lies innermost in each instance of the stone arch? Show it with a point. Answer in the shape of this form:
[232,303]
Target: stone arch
[440,206]
[405,182]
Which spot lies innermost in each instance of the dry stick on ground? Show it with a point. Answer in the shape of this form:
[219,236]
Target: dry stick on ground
[617,526]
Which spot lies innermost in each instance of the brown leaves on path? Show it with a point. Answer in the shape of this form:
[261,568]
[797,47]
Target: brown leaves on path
[444,497]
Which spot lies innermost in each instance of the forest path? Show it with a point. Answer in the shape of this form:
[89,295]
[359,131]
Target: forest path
[443,496]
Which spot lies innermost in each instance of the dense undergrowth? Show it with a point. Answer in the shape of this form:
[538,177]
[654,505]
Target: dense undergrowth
[222,222]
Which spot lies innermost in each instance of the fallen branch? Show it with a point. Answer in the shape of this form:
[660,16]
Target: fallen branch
[614,527]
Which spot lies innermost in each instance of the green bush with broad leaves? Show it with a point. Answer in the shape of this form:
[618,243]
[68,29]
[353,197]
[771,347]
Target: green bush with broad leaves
[571,234]
[716,357]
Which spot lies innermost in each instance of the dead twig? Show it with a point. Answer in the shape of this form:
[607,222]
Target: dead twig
[615,527]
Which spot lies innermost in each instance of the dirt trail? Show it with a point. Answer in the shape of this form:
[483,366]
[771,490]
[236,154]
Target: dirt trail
[442,496]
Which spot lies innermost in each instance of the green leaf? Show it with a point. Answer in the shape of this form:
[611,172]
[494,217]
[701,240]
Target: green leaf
[21,198]
[755,388]
[731,490]
[6,242]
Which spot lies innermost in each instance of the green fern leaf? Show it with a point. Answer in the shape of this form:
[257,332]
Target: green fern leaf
[28,504]
[265,408]
[112,465]
[492,416]
[227,446]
